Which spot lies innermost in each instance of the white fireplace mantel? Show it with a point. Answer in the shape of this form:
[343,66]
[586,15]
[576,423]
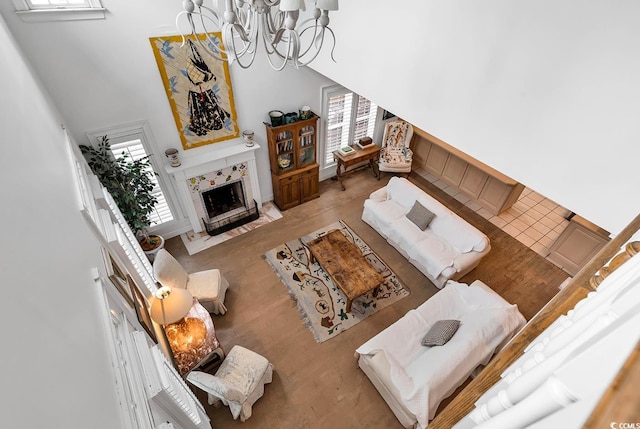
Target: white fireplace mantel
[217,159]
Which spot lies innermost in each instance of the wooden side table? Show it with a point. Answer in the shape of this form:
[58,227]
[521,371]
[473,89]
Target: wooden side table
[369,153]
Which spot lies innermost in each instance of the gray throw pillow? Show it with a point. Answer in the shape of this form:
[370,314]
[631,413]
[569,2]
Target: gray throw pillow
[440,332]
[420,215]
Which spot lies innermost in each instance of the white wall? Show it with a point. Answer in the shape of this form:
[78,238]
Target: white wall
[102,73]
[545,91]
[55,364]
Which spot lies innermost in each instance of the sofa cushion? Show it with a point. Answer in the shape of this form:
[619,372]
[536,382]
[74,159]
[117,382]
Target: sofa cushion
[420,215]
[386,211]
[382,215]
[462,236]
[434,253]
[405,193]
[440,333]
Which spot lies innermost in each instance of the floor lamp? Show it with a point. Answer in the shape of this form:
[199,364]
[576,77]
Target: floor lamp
[188,325]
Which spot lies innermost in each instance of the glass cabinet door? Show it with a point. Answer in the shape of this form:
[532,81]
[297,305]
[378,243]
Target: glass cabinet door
[284,151]
[307,142]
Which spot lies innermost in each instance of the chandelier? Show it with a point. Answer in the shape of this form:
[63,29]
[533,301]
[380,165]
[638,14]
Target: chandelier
[244,23]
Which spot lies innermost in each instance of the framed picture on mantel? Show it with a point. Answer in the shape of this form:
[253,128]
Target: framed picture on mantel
[198,87]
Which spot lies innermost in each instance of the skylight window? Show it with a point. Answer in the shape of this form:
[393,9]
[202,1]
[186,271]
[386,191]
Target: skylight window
[58,4]
[58,10]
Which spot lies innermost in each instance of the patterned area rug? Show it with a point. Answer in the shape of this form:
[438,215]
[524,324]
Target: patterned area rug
[198,241]
[320,303]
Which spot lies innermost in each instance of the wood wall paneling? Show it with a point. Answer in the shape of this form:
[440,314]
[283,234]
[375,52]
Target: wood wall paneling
[490,188]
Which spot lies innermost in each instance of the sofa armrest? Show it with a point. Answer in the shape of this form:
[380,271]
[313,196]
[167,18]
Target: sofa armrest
[379,195]
[464,262]
[216,386]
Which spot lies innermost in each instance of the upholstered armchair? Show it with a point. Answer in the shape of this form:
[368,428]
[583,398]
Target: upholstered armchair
[238,383]
[208,286]
[395,155]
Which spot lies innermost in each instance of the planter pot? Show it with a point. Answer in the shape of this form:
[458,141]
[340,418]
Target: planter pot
[151,248]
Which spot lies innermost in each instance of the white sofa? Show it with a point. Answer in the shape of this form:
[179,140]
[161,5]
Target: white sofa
[447,249]
[414,379]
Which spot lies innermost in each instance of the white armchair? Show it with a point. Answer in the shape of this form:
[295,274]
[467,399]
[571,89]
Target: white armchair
[395,155]
[208,286]
[238,383]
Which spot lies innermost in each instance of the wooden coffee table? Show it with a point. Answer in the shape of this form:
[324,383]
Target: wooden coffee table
[345,264]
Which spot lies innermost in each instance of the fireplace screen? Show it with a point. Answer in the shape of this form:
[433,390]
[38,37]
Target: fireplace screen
[227,208]
[224,199]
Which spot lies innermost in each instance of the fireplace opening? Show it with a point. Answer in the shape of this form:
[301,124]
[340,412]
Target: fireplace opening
[224,199]
[227,208]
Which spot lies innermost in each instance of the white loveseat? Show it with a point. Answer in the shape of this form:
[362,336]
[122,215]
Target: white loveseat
[413,379]
[447,249]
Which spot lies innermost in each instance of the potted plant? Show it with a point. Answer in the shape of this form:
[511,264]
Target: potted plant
[130,184]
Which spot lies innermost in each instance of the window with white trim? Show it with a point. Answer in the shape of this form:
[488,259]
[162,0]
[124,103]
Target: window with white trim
[132,140]
[135,150]
[348,117]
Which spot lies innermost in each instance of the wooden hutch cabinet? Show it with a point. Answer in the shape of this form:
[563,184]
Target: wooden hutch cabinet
[294,167]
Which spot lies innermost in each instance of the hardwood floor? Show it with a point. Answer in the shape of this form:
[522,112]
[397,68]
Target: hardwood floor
[320,385]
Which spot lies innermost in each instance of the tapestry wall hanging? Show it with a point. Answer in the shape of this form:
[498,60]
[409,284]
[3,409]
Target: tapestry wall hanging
[198,87]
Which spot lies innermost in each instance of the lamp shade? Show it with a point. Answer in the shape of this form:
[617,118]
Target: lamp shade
[290,5]
[170,305]
[327,4]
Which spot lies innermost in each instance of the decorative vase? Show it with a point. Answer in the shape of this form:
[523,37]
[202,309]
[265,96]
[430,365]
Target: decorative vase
[290,117]
[173,156]
[276,117]
[305,112]
[247,136]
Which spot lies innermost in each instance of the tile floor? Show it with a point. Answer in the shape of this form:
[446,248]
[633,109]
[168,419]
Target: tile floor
[534,220]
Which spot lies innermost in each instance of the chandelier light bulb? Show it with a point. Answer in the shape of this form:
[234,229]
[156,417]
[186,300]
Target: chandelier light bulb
[188,6]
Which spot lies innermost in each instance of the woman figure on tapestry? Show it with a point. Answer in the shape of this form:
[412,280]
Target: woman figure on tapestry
[205,114]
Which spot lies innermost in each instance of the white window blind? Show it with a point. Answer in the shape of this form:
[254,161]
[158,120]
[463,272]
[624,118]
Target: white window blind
[338,123]
[365,120]
[135,150]
[349,117]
